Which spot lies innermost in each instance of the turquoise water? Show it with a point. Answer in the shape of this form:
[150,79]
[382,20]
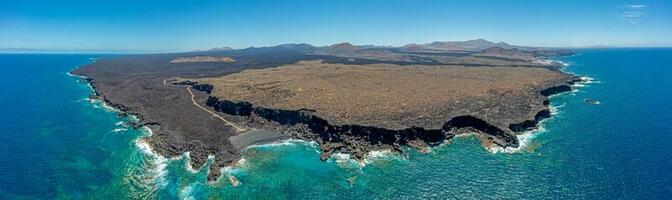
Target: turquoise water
[56,144]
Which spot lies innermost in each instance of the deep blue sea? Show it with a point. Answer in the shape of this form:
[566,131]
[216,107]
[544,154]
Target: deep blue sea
[56,144]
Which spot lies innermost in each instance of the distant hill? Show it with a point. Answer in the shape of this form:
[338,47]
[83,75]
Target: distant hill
[302,47]
[469,45]
[221,49]
[339,49]
[453,52]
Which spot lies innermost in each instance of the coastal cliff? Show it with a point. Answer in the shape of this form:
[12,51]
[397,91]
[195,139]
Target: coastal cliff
[282,103]
[355,139]
[135,85]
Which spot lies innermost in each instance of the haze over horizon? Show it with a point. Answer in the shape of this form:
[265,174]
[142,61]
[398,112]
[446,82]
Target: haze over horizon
[164,26]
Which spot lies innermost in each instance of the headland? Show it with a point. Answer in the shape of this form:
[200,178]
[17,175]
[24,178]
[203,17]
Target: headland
[349,99]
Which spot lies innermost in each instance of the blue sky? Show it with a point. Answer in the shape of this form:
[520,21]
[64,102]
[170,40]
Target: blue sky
[186,25]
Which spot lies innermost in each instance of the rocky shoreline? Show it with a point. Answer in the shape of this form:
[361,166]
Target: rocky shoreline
[133,85]
[361,140]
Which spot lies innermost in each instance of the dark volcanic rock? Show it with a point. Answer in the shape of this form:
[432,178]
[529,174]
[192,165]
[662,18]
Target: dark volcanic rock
[347,138]
[135,85]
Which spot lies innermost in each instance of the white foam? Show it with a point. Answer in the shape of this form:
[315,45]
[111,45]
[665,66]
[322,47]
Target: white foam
[589,80]
[385,154]
[341,157]
[185,193]
[241,162]
[555,109]
[97,103]
[148,131]
[379,154]
[463,135]
[133,118]
[525,138]
[345,160]
[228,172]
[187,162]
[286,142]
[110,108]
[117,130]
[156,173]
[158,167]
[550,62]
[523,141]
[82,100]
[564,64]
[75,75]
[561,93]
[186,156]
[585,81]
[542,61]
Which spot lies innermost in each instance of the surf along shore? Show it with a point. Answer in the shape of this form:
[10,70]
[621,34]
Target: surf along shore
[135,85]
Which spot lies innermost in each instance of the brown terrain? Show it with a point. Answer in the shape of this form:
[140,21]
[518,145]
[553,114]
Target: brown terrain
[202,59]
[385,95]
[347,98]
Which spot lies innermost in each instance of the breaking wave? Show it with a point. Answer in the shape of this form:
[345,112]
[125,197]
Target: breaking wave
[118,130]
[156,169]
[523,140]
[286,142]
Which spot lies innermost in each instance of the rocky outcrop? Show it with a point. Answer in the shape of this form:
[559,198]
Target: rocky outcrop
[561,88]
[530,124]
[556,90]
[207,88]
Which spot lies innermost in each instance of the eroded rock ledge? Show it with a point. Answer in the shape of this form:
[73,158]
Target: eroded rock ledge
[358,140]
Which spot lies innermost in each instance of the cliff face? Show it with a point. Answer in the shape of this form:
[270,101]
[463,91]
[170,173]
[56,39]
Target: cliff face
[359,140]
[543,114]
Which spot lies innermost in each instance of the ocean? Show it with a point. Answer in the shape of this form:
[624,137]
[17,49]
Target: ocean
[57,144]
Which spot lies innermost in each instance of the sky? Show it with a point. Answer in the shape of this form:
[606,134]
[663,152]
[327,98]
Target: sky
[170,25]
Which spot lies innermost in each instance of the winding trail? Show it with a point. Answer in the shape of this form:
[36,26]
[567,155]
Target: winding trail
[193,100]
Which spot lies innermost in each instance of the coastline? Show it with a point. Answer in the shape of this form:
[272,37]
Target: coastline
[584,149]
[159,163]
[157,171]
[526,137]
[120,109]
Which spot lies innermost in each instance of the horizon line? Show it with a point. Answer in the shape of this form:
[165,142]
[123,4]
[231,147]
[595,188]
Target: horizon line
[143,51]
